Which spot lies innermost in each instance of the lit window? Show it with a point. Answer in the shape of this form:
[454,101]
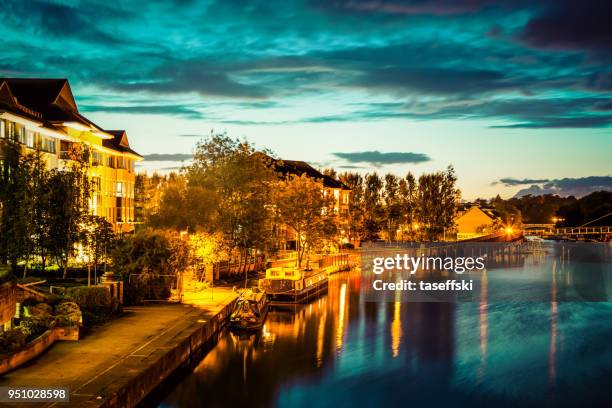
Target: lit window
[2,130]
[30,139]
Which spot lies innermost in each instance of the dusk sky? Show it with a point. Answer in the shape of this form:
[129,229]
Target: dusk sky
[514,95]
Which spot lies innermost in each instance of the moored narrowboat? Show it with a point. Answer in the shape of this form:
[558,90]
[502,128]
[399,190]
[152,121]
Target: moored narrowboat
[250,310]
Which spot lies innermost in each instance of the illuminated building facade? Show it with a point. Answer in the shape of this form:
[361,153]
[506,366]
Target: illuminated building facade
[42,115]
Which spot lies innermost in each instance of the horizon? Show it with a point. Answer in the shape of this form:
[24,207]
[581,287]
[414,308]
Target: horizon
[497,90]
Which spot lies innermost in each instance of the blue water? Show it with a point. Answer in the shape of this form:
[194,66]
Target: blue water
[341,351]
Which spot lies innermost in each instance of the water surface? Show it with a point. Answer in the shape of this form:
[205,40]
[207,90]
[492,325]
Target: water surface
[341,351]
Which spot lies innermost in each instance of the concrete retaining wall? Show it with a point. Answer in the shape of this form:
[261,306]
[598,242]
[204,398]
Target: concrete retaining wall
[36,347]
[180,355]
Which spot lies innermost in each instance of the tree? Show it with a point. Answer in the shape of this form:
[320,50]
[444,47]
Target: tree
[407,192]
[392,205]
[97,236]
[356,214]
[238,178]
[70,191]
[373,209]
[184,206]
[148,262]
[302,204]
[437,200]
[17,203]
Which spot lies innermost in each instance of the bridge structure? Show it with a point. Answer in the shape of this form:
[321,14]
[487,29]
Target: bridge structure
[548,230]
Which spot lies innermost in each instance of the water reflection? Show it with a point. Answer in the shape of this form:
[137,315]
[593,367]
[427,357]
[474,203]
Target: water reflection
[343,351]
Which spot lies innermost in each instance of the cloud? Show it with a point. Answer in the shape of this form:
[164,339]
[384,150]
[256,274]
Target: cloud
[577,187]
[377,158]
[434,80]
[62,20]
[405,7]
[172,110]
[193,75]
[509,181]
[572,25]
[168,157]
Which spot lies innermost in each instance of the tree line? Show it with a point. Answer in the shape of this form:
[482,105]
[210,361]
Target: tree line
[233,190]
[397,208]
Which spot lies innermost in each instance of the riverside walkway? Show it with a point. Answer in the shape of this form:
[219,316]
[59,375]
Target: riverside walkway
[118,357]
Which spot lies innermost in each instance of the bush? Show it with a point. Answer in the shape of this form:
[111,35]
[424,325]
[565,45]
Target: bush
[142,259]
[41,310]
[34,326]
[96,303]
[12,341]
[68,314]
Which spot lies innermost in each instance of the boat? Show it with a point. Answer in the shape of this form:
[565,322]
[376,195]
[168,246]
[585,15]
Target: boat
[250,311]
[290,285]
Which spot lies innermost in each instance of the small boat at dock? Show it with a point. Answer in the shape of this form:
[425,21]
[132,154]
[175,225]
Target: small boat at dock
[250,310]
[289,285]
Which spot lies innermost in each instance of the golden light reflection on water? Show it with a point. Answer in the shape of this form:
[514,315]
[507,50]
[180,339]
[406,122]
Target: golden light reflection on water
[396,330]
[341,313]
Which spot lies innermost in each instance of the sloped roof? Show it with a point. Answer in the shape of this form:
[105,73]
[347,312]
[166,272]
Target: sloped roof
[119,142]
[301,167]
[47,100]
[51,102]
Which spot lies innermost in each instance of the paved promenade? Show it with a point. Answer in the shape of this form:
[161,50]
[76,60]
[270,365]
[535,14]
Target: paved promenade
[110,356]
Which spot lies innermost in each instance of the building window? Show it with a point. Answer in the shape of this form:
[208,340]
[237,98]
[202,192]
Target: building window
[110,161]
[48,144]
[119,203]
[96,183]
[20,130]
[30,139]
[2,129]
[120,189]
[97,158]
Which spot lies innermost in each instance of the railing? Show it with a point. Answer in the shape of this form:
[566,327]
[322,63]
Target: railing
[582,230]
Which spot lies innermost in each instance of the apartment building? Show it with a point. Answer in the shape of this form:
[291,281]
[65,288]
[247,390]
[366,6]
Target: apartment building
[42,114]
[331,186]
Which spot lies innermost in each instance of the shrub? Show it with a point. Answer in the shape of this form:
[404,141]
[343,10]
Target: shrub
[42,310]
[68,314]
[96,303]
[12,341]
[34,326]
[147,263]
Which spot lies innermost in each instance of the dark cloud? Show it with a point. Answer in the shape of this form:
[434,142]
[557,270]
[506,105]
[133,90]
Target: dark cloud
[572,25]
[175,157]
[196,76]
[434,80]
[404,7]
[173,110]
[377,158]
[577,187]
[446,59]
[509,181]
[62,20]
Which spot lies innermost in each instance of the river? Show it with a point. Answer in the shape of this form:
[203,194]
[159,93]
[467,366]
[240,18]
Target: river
[341,351]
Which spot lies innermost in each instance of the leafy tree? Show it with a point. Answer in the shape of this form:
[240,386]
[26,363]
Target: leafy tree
[373,208]
[237,178]
[148,263]
[392,205]
[17,201]
[70,191]
[97,236]
[302,204]
[356,214]
[437,201]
